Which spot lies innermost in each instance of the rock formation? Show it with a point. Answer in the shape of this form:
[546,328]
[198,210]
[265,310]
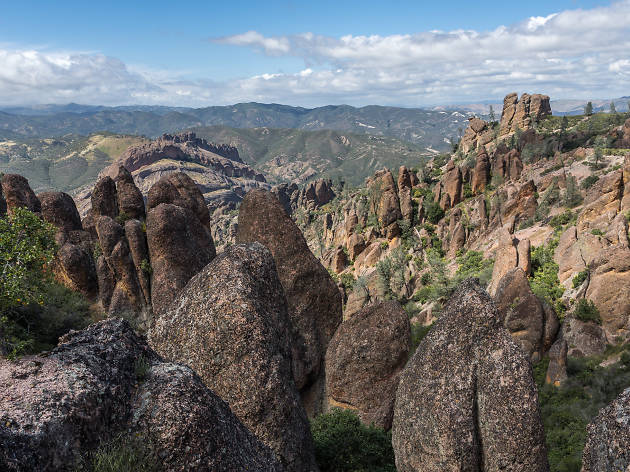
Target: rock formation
[230,323]
[519,114]
[404,194]
[130,200]
[510,253]
[17,193]
[557,370]
[477,135]
[387,204]
[533,324]
[313,299]
[608,440]
[481,173]
[467,400]
[103,382]
[364,361]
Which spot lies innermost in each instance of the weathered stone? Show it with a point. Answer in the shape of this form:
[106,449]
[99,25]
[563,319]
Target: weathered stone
[602,202]
[507,165]
[339,260]
[608,438]
[583,338]
[74,267]
[231,324]
[106,282]
[137,240]
[355,245]
[452,181]
[59,209]
[508,257]
[466,400]
[557,370]
[130,201]
[518,114]
[179,247]
[313,298]
[481,174]
[404,194]
[364,360]
[87,391]
[179,189]
[105,198]
[316,193]
[18,193]
[523,313]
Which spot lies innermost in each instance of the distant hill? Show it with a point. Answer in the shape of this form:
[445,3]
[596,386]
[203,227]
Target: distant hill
[430,129]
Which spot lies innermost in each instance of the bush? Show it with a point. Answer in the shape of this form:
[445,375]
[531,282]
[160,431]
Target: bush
[589,181]
[344,444]
[563,219]
[418,332]
[544,281]
[123,453]
[433,211]
[580,278]
[472,264]
[587,311]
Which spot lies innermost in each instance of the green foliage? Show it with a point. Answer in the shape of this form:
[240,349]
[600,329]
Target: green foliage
[145,267]
[391,272]
[433,211]
[588,109]
[597,232]
[580,278]
[589,181]
[122,218]
[129,452]
[418,332]
[472,264]
[344,444]
[544,280]
[142,367]
[467,192]
[565,218]
[572,196]
[567,410]
[528,223]
[587,311]
[347,280]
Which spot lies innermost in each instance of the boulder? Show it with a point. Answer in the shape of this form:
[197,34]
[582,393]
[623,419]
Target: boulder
[583,339]
[404,194]
[557,370]
[58,209]
[466,399]
[105,198]
[608,438]
[524,315]
[179,189]
[314,302]
[355,245]
[364,361]
[507,165]
[316,193]
[18,193]
[338,260]
[179,247]
[231,324]
[481,174]
[510,253]
[130,200]
[74,267]
[137,241]
[602,202]
[103,382]
[452,186]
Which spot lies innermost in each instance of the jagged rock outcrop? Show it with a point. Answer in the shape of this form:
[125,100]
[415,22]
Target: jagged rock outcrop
[180,245]
[583,338]
[231,324]
[518,114]
[404,194]
[104,198]
[130,200]
[73,266]
[452,183]
[18,193]
[481,173]
[467,399]
[89,389]
[507,165]
[312,296]
[608,439]
[557,369]
[510,253]
[387,203]
[180,190]
[137,241]
[532,324]
[316,193]
[364,361]
[521,207]
[477,135]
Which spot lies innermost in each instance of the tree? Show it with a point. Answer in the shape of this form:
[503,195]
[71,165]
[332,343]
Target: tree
[588,109]
[491,113]
[613,109]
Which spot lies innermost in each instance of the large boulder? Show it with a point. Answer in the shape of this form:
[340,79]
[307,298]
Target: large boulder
[387,204]
[511,253]
[533,327]
[231,324]
[103,382]
[481,174]
[104,198]
[130,201]
[179,189]
[314,302]
[452,186]
[557,369]
[364,361]
[583,339]
[179,247]
[467,399]
[18,193]
[58,209]
[608,438]
[404,194]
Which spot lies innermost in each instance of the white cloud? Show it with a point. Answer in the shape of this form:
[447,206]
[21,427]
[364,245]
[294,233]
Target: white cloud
[573,53]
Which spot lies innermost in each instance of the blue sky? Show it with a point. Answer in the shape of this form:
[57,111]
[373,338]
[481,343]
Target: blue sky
[310,53]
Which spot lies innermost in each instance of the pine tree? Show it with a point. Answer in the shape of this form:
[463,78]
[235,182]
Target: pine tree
[491,113]
[612,107]
[588,109]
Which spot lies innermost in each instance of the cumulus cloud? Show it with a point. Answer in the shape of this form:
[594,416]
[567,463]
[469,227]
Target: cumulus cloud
[573,53]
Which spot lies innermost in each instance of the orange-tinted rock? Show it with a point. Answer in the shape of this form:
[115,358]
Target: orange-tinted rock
[481,173]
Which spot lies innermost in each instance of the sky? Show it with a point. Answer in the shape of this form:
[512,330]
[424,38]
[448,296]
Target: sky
[310,53]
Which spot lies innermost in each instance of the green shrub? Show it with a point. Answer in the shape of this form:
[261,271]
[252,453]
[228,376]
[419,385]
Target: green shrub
[587,311]
[433,211]
[142,367]
[472,264]
[126,452]
[344,444]
[580,278]
[589,181]
[418,332]
[597,232]
[122,218]
[145,267]
[558,222]
[544,280]
[347,280]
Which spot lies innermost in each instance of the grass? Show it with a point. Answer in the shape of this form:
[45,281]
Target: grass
[126,452]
